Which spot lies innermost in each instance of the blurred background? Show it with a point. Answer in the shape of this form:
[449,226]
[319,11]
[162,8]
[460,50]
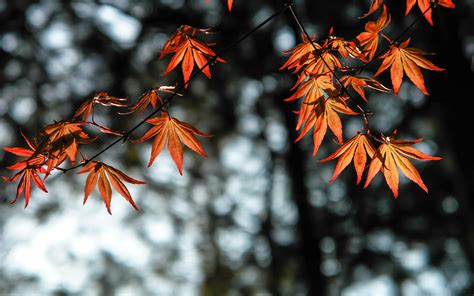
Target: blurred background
[257,217]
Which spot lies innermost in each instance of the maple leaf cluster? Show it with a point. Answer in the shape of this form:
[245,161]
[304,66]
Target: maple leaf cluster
[323,87]
[60,141]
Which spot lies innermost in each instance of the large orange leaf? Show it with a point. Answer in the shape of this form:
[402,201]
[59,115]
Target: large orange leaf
[187,50]
[392,155]
[369,39]
[310,90]
[29,167]
[304,56]
[103,175]
[424,6]
[409,60]
[31,157]
[323,115]
[355,149]
[61,140]
[28,175]
[175,132]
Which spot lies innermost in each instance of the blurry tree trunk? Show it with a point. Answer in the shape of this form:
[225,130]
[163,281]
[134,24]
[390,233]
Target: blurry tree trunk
[449,89]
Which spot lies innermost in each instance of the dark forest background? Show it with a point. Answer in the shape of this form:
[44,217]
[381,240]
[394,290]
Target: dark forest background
[257,216]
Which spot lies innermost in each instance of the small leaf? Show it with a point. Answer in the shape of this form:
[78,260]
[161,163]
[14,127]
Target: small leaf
[176,133]
[103,175]
[188,50]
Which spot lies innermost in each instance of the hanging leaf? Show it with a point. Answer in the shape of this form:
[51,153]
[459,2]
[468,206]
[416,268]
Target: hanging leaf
[355,149]
[187,50]
[324,115]
[392,155]
[171,130]
[401,58]
[103,175]
[369,39]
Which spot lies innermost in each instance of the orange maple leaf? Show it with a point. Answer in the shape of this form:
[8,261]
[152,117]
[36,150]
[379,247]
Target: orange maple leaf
[369,39]
[324,114]
[359,83]
[27,174]
[406,59]
[355,149]
[30,167]
[304,56]
[424,6]
[310,90]
[346,48]
[61,140]
[188,50]
[175,132]
[102,98]
[30,155]
[104,175]
[391,155]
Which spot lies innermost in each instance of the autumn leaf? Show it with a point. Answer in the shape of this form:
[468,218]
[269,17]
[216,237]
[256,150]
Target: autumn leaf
[29,167]
[62,138]
[424,6]
[28,175]
[373,7]
[304,56]
[324,115]
[369,39]
[359,83]
[103,175]
[392,155]
[30,155]
[409,60]
[102,98]
[346,48]
[175,132]
[187,50]
[152,96]
[355,149]
[310,90]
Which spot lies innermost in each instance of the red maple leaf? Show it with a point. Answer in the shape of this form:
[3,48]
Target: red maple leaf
[187,50]
[175,132]
[104,175]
